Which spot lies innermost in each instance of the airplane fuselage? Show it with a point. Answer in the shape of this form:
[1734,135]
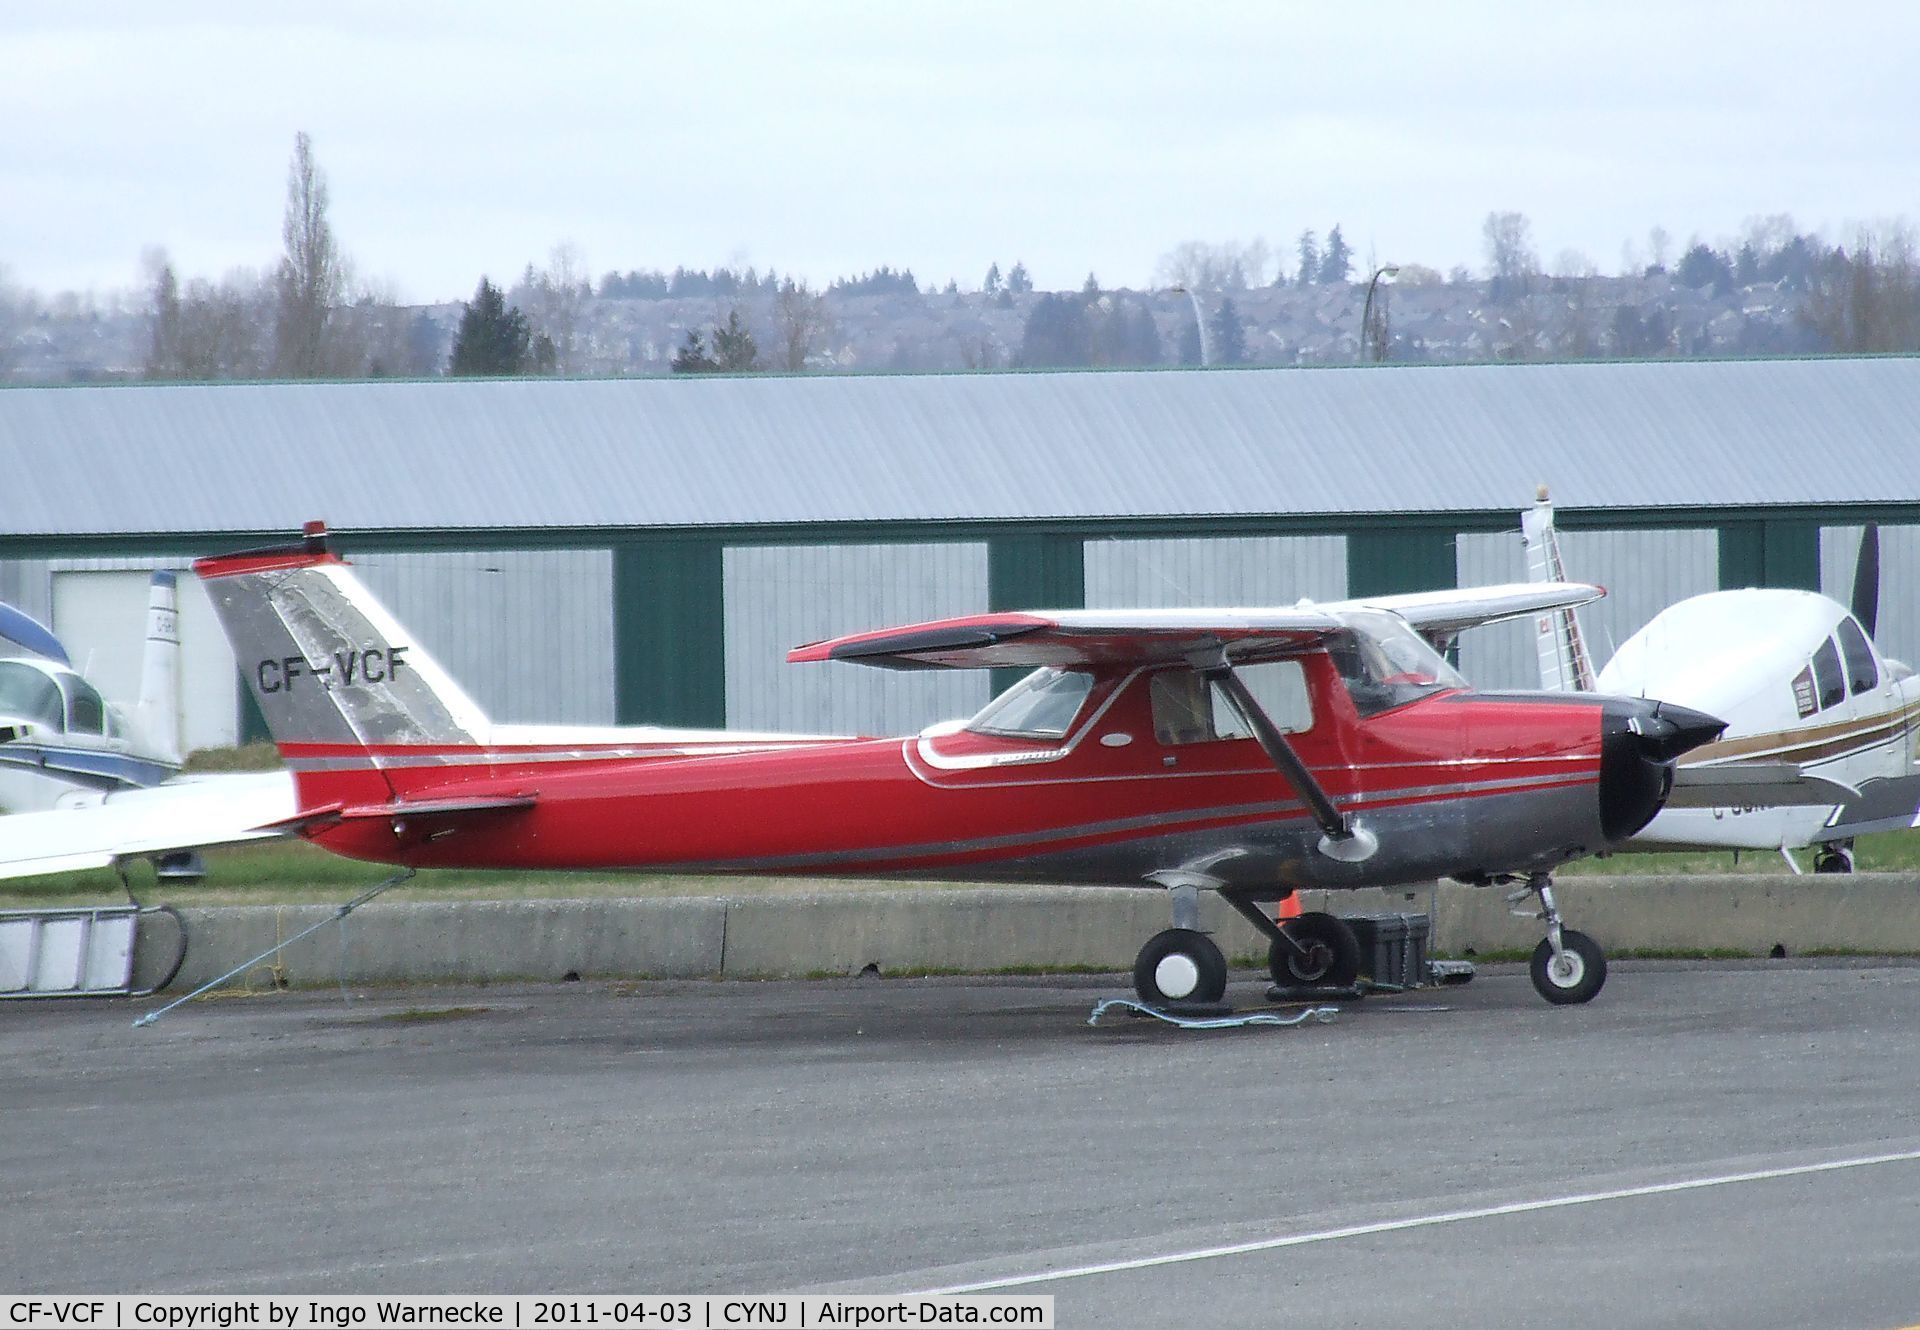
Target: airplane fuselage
[1797,681]
[1458,783]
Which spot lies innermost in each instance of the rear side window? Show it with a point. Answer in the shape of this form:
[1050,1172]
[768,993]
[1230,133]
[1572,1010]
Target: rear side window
[1862,673]
[1826,674]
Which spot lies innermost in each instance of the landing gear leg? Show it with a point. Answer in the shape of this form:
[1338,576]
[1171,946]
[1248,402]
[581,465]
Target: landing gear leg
[1181,964]
[1568,966]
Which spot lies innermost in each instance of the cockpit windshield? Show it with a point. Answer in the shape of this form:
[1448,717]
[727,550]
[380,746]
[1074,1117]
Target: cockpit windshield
[27,694]
[1385,664]
[1040,706]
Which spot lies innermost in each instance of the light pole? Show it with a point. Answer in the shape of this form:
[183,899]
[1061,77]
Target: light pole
[1372,348]
[1200,322]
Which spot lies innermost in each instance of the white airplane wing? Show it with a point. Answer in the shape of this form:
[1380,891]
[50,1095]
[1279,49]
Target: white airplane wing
[1149,636]
[1889,804]
[1445,614]
[187,813]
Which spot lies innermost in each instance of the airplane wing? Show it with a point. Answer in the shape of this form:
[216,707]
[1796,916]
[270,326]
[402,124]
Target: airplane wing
[187,813]
[1151,636]
[1889,804]
[1754,785]
[1080,637]
[1445,614]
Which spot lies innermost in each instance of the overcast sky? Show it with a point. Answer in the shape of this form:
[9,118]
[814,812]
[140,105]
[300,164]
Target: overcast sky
[828,137]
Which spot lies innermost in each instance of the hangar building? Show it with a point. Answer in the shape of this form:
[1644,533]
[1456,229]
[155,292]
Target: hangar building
[648,549]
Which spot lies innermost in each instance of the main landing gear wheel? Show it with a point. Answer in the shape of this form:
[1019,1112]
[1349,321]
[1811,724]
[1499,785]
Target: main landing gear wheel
[1179,965]
[1331,959]
[1575,975]
[1836,858]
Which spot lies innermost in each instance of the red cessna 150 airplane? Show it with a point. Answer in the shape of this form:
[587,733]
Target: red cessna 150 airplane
[1248,752]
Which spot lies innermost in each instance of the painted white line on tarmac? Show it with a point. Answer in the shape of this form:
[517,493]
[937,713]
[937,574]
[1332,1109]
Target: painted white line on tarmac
[1430,1221]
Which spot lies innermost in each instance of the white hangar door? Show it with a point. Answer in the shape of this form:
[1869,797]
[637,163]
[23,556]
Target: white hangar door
[101,617]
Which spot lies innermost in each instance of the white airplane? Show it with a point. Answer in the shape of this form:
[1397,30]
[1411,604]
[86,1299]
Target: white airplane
[1799,681]
[62,745]
[82,785]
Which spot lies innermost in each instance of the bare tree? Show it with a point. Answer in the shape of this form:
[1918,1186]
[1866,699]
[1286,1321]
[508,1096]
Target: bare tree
[1868,300]
[803,319]
[16,307]
[1660,247]
[555,300]
[1511,261]
[202,331]
[1200,265]
[311,280]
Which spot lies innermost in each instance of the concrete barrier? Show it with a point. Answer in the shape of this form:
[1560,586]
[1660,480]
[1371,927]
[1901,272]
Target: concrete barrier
[977,930]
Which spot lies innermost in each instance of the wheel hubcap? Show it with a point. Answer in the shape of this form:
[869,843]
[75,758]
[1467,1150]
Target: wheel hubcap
[1567,969]
[1176,976]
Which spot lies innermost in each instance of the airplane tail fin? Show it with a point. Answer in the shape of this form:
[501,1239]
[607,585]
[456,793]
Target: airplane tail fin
[1564,663]
[158,712]
[359,712]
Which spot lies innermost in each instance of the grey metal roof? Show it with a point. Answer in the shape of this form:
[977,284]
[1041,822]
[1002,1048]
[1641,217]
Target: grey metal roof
[983,447]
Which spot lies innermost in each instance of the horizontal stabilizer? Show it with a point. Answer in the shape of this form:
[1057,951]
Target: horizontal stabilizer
[190,813]
[402,809]
[1754,785]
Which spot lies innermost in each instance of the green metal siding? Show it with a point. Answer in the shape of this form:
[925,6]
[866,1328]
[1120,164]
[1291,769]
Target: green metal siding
[1385,562]
[1034,571]
[1772,552]
[669,634]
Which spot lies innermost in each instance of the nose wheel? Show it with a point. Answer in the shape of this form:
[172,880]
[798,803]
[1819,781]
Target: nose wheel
[1318,951]
[1568,966]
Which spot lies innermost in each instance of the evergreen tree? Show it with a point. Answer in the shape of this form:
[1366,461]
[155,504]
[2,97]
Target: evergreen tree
[1091,287]
[692,357]
[1229,336]
[992,285]
[1309,249]
[734,351]
[1336,265]
[1018,282]
[493,337]
[1057,334]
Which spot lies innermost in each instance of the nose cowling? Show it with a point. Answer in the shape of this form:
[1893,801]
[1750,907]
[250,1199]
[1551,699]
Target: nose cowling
[1640,740]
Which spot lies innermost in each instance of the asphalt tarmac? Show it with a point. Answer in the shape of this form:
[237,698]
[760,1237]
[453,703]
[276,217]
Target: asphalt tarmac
[1718,1143]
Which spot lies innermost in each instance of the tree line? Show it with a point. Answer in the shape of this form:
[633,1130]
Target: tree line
[308,316]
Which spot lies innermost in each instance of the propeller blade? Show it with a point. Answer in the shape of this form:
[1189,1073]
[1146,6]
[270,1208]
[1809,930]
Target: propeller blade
[1866,579]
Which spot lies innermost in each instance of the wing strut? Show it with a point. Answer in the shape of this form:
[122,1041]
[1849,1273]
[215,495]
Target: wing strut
[1343,840]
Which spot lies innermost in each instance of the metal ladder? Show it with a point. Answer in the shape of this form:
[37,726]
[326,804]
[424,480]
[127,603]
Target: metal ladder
[82,952]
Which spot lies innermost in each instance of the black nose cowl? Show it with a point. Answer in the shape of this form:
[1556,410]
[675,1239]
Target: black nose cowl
[1640,740]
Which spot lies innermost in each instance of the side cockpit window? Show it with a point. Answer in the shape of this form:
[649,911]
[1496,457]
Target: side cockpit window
[1863,673]
[1187,709]
[1827,678]
[86,713]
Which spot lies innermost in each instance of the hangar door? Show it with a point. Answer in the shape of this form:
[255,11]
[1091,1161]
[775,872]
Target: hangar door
[101,617]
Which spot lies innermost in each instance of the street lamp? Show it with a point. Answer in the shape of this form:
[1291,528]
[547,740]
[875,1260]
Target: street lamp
[1199,321]
[1372,348]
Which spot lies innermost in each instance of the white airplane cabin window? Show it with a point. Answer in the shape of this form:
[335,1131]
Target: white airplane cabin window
[86,713]
[27,694]
[1863,672]
[1042,705]
[1826,674]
